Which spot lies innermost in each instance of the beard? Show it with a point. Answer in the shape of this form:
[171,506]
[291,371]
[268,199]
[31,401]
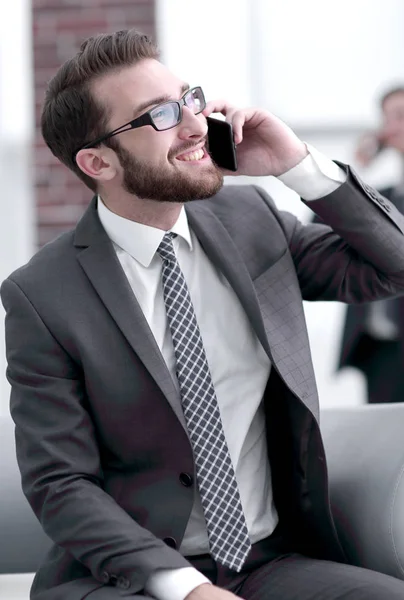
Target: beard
[164,184]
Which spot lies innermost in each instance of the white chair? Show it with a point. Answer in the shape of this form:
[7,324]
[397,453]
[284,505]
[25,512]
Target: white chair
[22,541]
[365,455]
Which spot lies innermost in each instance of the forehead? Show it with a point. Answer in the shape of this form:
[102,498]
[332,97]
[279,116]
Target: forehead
[129,87]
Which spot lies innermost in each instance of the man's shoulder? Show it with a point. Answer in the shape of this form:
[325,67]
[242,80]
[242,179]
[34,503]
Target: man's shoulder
[50,261]
[238,197]
[250,217]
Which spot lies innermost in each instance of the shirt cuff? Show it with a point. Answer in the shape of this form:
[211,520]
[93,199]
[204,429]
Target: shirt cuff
[314,177]
[174,584]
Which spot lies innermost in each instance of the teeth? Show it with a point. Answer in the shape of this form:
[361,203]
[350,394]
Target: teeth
[197,155]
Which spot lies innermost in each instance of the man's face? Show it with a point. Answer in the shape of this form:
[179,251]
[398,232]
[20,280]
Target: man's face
[166,165]
[393,121]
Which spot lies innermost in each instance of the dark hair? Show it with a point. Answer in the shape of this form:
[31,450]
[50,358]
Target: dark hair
[391,92]
[71,116]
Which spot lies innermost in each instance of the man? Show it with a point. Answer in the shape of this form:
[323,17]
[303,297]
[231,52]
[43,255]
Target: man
[373,335]
[162,387]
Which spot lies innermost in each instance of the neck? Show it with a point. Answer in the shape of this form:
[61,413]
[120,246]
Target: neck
[162,215]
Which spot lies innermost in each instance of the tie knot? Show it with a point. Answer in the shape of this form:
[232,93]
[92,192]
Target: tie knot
[166,248]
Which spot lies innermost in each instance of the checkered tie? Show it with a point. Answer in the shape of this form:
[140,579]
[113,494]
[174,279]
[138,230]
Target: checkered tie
[225,521]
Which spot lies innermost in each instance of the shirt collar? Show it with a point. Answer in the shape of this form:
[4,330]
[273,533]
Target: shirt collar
[138,240]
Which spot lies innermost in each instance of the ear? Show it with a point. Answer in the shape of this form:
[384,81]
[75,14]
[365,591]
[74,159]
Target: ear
[98,163]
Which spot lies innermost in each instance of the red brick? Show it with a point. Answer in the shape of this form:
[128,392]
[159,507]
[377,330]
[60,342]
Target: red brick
[59,28]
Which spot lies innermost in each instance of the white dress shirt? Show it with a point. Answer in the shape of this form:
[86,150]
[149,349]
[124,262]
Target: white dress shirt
[239,366]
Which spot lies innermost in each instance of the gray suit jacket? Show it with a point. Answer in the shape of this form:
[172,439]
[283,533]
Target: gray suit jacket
[355,326]
[354,348]
[101,438]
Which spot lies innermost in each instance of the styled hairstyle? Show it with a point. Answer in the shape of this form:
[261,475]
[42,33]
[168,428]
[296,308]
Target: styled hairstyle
[71,116]
[391,92]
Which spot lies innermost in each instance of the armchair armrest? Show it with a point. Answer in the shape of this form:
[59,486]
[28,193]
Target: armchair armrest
[365,454]
[23,543]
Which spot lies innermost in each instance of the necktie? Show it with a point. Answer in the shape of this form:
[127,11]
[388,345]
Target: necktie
[227,529]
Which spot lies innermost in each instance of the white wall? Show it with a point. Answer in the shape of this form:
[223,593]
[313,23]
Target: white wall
[321,62]
[205,43]
[16,129]
[318,65]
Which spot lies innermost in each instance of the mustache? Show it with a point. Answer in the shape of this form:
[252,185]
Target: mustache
[185,148]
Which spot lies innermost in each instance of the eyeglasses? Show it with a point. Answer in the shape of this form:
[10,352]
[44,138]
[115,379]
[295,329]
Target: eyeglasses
[162,117]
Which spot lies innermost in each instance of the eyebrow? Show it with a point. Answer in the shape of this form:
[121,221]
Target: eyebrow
[159,100]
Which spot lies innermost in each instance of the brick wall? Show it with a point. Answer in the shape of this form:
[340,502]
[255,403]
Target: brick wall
[59,28]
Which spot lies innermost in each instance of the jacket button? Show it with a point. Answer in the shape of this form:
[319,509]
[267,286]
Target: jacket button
[186,479]
[123,583]
[171,542]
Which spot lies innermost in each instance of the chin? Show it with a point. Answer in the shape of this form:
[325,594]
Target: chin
[204,189]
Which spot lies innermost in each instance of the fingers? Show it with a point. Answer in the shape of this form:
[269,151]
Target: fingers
[217,106]
[238,120]
[233,116]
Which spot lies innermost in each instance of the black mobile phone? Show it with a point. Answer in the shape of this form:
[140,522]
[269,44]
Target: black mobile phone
[221,144]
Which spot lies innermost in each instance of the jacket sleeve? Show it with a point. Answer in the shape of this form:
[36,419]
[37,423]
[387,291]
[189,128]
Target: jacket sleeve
[354,251]
[59,459]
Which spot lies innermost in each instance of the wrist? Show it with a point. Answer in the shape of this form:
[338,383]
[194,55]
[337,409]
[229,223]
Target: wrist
[295,157]
[198,592]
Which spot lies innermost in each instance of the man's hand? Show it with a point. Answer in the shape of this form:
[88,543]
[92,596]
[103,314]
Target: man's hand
[265,145]
[369,146]
[206,591]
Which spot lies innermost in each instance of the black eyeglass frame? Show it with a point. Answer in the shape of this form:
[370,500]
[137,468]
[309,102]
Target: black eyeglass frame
[147,119]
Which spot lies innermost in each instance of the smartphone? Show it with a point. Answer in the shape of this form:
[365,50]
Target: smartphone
[221,144]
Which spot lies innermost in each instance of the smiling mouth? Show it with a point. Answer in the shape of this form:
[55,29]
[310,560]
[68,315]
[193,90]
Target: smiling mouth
[195,155]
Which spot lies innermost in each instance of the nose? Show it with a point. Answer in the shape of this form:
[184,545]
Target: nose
[192,126]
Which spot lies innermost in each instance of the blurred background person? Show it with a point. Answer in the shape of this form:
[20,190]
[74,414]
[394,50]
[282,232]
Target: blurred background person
[373,334]
[389,135]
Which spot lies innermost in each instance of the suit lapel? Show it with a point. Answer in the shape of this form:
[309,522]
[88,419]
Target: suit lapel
[220,248]
[101,265]
[222,251]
